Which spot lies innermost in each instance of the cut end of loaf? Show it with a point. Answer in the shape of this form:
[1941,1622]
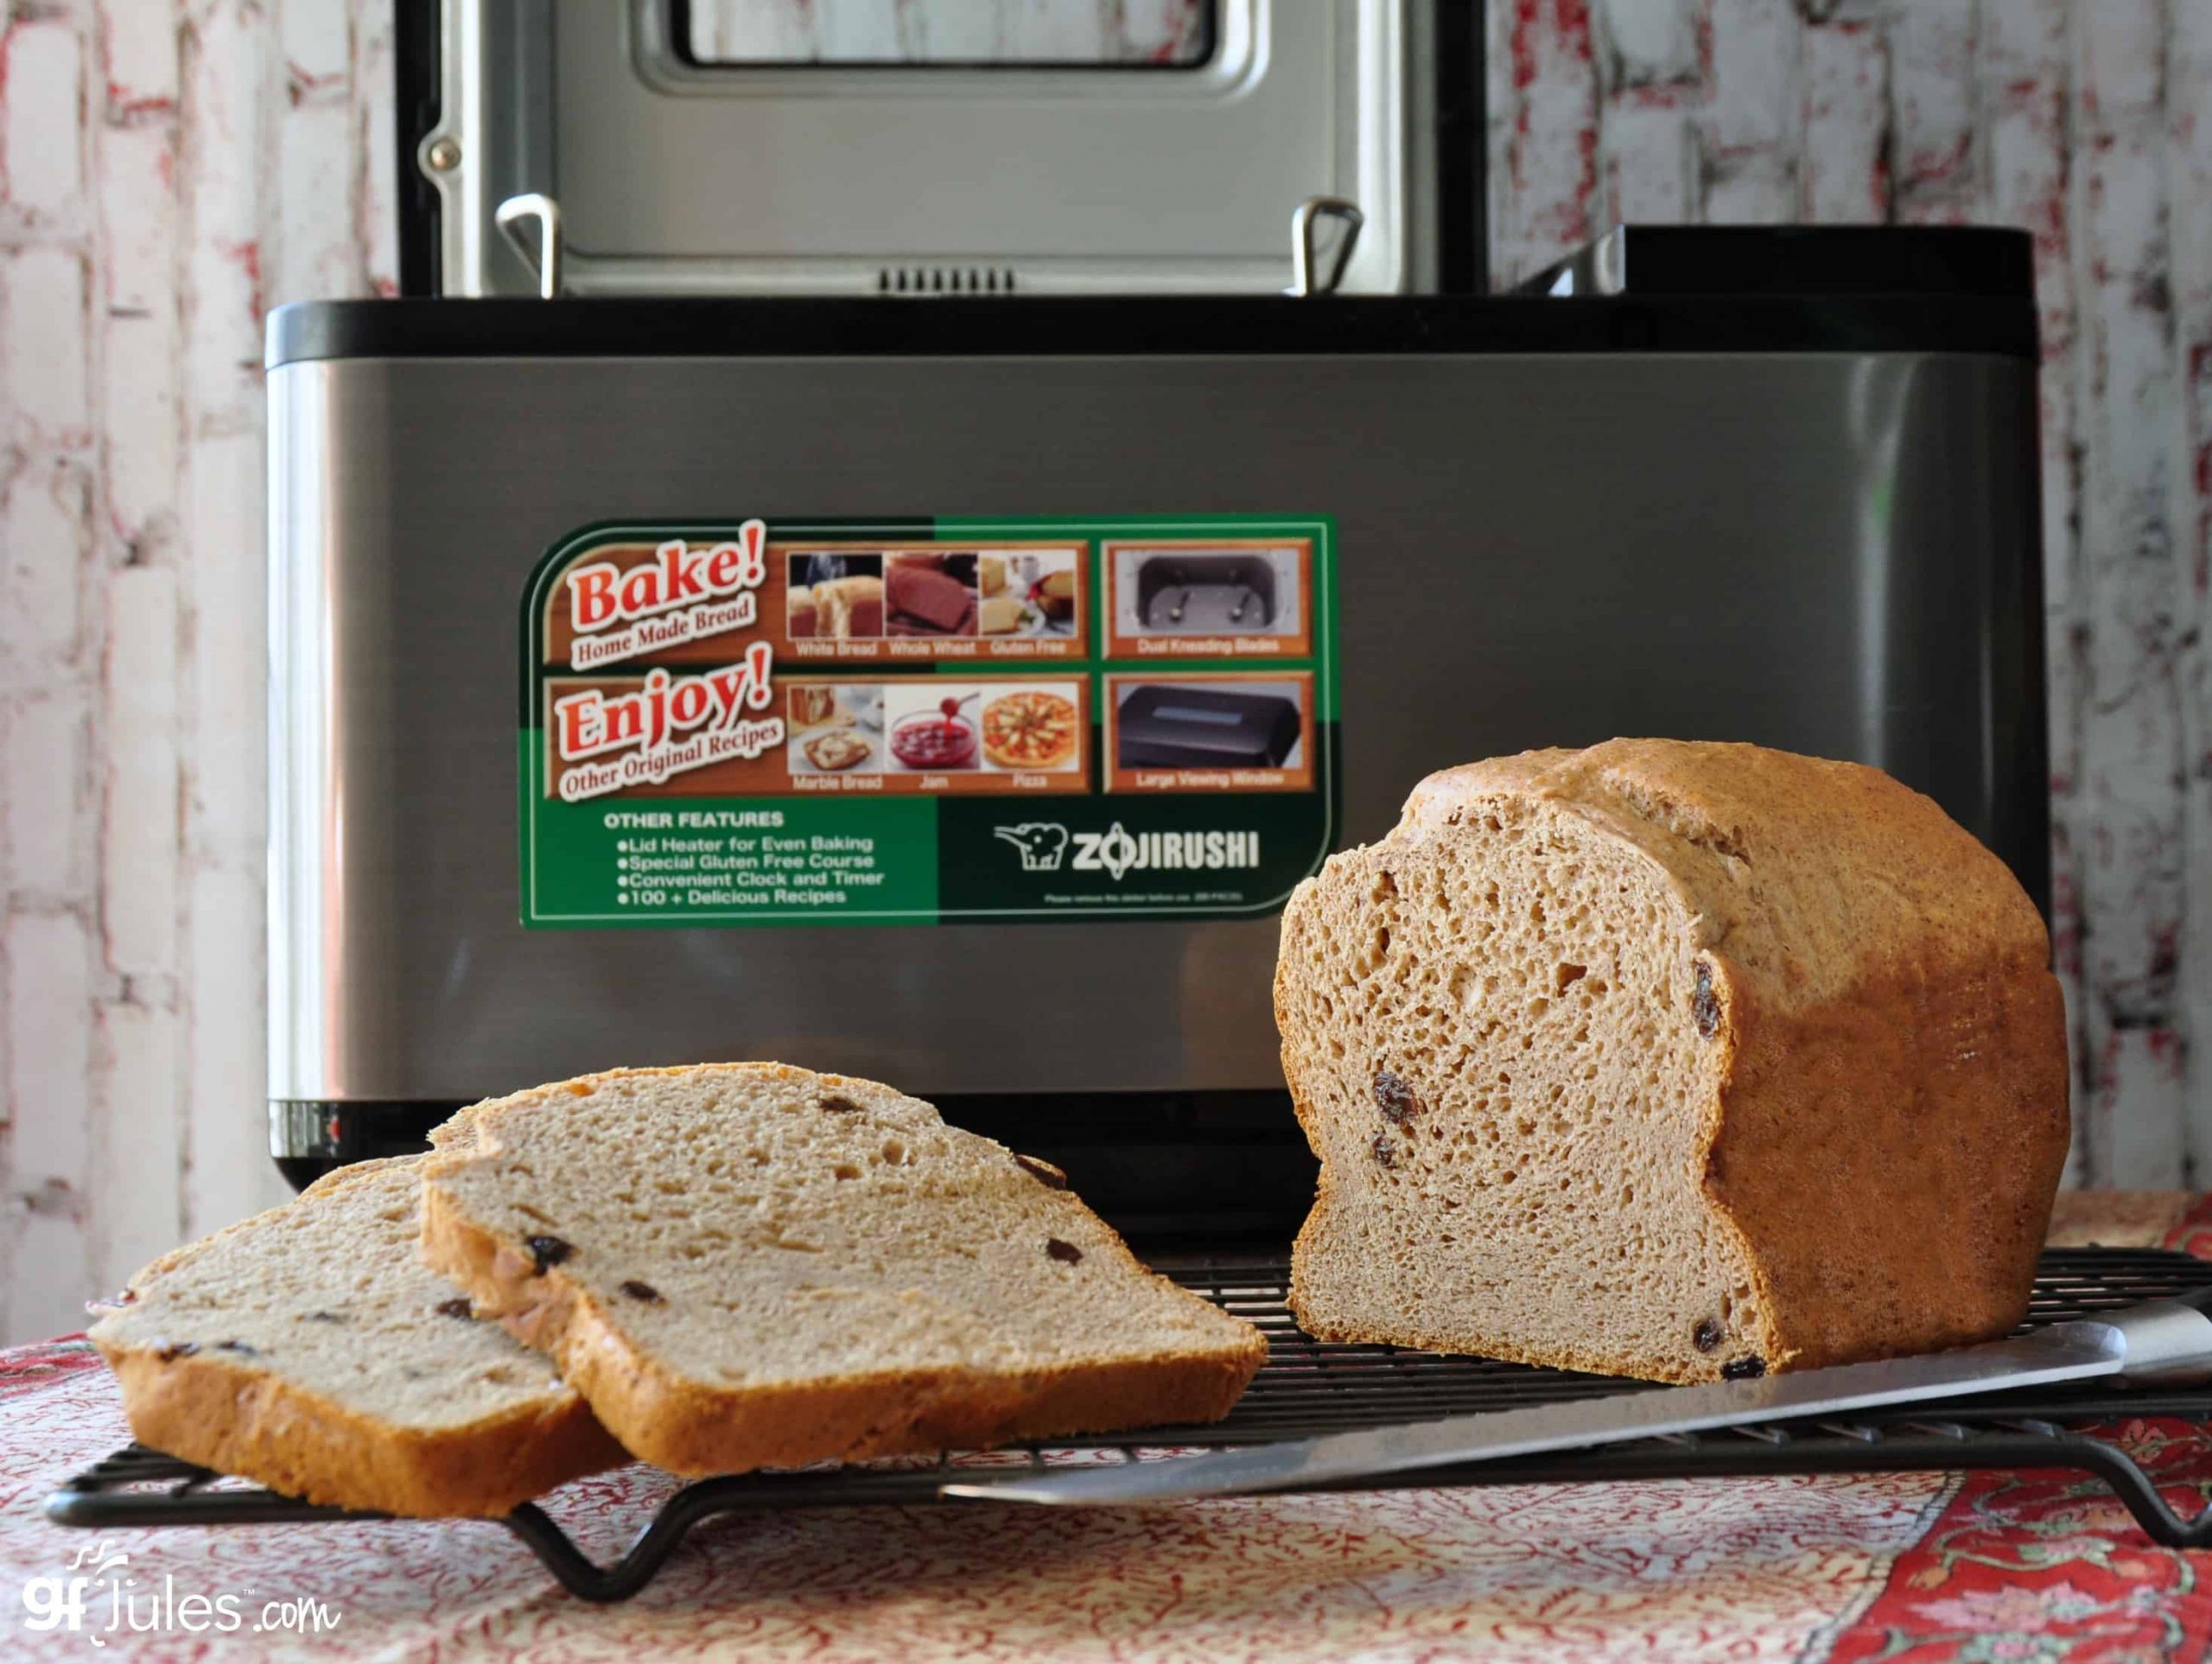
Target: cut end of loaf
[1678,1061]
[1493,1037]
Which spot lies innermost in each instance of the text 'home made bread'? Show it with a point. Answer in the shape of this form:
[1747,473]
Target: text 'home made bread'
[745,1265]
[1675,1060]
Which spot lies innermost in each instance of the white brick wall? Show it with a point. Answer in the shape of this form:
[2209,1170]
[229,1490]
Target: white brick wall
[169,169]
[2090,125]
[165,166]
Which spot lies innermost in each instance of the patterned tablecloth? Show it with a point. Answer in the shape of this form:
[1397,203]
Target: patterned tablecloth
[1906,1566]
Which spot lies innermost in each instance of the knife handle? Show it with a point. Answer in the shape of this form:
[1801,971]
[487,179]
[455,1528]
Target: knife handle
[2167,1340]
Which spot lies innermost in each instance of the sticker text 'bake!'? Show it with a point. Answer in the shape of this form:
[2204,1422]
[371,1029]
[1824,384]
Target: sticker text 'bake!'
[669,725]
[683,593]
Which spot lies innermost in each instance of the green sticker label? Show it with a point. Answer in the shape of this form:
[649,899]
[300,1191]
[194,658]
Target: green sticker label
[928,720]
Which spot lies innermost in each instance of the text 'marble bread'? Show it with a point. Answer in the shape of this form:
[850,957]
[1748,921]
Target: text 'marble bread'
[745,1265]
[309,1348]
[1673,1060]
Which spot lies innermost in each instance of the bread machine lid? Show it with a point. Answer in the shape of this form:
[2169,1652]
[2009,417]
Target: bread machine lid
[700,147]
[1771,320]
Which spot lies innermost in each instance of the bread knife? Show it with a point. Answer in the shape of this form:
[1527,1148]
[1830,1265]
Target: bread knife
[2158,1341]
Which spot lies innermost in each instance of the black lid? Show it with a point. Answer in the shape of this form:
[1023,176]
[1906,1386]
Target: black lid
[1994,263]
[1194,327]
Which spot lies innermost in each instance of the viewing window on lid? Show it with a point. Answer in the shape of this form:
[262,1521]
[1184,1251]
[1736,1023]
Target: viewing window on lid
[946,33]
[1191,714]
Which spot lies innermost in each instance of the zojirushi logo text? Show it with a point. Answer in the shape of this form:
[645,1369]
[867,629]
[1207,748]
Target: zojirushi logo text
[1116,851]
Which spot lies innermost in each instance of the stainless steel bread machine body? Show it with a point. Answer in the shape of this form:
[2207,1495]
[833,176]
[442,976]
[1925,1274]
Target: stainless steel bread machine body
[1741,524]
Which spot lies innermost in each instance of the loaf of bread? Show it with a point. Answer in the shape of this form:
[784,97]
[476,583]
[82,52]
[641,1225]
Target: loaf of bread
[309,1348]
[848,607]
[1671,1060]
[745,1265]
[927,600]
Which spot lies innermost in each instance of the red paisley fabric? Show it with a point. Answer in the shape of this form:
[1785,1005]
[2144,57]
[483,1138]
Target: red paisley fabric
[1916,1567]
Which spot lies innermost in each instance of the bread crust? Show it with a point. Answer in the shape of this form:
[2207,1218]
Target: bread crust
[689,1428]
[235,1419]
[1887,1117]
[1896,1198]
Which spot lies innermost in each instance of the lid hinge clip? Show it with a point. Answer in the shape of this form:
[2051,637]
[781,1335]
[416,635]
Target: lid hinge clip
[544,256]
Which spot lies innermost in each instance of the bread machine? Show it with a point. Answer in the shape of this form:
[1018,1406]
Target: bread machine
[934,656]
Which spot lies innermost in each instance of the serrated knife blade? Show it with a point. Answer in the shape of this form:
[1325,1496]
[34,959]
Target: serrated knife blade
[2161,1340]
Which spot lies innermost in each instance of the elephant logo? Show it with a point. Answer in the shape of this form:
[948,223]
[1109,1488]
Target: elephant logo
[1042,845]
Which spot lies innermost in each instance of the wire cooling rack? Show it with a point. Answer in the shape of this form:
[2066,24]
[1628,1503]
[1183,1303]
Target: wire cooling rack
[1309,1387]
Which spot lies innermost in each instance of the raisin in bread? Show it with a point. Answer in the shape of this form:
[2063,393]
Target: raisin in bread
[310,1349]
[1671,1060]
[745,1265]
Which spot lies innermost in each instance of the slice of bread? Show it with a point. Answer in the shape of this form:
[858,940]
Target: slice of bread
[309,1348]
[745,1266]
[1671,1060]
